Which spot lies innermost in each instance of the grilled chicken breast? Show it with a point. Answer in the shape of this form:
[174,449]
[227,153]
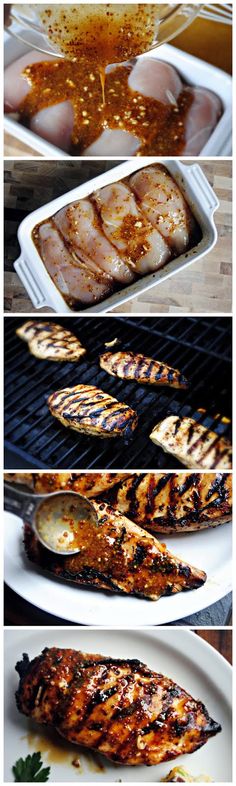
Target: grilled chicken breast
[26,478]
[175,502]
[91,484]
[87,409]
[28,330]
[49,341]
[130,365]
[119,707]
[119,556]
[192,444]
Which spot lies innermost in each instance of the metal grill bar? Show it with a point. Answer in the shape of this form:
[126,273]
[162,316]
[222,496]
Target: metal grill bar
[199,347]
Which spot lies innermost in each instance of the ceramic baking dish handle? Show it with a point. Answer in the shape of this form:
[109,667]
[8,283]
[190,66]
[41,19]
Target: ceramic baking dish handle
[202,189]
[30,283]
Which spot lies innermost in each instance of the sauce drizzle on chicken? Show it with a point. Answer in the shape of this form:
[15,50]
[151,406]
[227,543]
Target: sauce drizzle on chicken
[159,127]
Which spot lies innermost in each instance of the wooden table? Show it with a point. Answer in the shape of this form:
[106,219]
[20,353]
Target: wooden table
[205,286]
[16,149]
[221,640]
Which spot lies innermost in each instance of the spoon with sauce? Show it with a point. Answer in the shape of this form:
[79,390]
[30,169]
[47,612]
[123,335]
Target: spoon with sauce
[54,518]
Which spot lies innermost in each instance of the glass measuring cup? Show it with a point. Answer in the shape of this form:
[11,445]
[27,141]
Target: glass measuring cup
[128,30]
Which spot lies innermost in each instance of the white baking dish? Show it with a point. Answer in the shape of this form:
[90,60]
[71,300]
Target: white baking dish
[199,194]
[193,71]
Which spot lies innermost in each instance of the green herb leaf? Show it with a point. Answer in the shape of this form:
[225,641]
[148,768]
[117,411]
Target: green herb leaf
[29,770]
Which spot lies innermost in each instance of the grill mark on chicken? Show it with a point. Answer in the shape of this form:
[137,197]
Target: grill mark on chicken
[89,576]
[91,484]
[97,411]
[177,425]
[87,697]
[176,436]
[219,453]
[119,711]
[118,555]
[154,489]
[215,444]
[201,439]
[49,341]
[145,370]
[218,485]
[92,411]
[132,494]
[98,697]
[191,480]
[171,502]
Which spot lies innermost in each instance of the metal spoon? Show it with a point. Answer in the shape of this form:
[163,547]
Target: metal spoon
[55,518]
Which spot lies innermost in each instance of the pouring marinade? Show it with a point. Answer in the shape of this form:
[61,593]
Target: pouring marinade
[98,95]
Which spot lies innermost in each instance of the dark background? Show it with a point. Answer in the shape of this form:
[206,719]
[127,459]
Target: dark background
[19,612]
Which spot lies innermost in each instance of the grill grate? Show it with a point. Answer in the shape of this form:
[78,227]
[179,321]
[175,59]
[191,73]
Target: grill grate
[199,347]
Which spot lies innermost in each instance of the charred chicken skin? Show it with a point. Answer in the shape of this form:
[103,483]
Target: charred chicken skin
[130,365]
[49,341]
[87,409]
[192,444]
[119,556]
[119,707]
[91,484]
[175,502]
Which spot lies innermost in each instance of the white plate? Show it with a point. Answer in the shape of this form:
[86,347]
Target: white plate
[209,550]
[181,655]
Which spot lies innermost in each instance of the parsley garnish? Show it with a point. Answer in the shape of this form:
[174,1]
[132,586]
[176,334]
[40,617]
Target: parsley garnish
[29,770]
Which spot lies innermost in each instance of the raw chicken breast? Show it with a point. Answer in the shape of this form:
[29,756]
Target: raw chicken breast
[113,143]
[55,124]
[201,119]
[16,86]
[156,79]
[148,77]
[164,205]
[80,226]
[128,229]
[73,279]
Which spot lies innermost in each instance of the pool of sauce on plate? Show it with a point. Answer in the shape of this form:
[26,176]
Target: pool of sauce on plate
[59,751]
[100,96]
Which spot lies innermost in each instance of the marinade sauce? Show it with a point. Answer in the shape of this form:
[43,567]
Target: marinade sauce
[91,38]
